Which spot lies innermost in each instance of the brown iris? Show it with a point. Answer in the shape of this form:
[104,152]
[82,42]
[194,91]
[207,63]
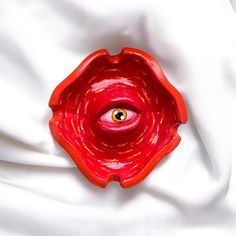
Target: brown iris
[119,115]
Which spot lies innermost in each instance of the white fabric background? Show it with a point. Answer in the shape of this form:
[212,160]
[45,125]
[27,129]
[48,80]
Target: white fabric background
[191,192]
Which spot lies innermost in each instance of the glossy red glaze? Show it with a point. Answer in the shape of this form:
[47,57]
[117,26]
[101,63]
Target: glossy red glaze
[125,151]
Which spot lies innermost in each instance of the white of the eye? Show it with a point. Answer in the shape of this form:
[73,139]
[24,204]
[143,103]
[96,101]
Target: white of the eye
[107,117]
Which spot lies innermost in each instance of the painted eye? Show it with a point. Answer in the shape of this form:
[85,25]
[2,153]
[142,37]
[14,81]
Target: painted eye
[118,115]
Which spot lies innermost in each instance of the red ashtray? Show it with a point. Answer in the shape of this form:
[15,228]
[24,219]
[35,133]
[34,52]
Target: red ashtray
[117,116]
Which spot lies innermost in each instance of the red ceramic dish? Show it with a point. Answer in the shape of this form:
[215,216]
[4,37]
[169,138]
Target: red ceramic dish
[117,116]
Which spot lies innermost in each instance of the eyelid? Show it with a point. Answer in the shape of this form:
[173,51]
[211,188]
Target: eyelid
[113,128]
[123,103]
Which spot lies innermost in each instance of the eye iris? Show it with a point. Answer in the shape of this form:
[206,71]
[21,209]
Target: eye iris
[119,115]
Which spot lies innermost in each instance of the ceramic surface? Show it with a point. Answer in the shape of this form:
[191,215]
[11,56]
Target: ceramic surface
[117,116]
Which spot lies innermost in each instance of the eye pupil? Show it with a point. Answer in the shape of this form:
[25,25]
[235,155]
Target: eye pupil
[119,115]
